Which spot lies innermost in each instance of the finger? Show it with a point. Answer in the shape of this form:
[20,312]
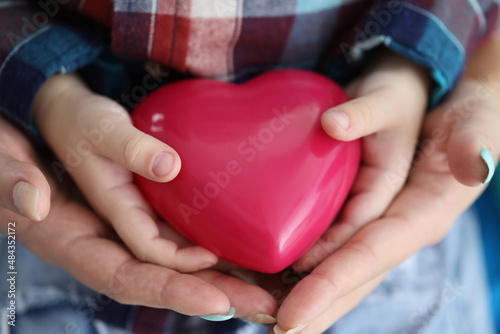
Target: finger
[421,215]
[362,116]
[23,188]
[380,178]
[139,152]
[74,238]
[341,307]
[387,109]
[389,115]
[110,190]
[111,270]
[96,124]
[250,301]
[338,309]
[474,144]
[108,131]
[140,233]
[385,99]
[129,281]
[103,135]
[84,249]
[329,242]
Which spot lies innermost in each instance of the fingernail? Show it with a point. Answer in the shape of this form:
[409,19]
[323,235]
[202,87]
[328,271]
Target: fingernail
[340,117]
[163,164]
[219,317]
[490,163]
[206,265]
[26,199]
[278,330]
[260,319]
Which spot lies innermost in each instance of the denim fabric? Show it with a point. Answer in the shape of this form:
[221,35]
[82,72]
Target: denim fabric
[440,290]
[490,231]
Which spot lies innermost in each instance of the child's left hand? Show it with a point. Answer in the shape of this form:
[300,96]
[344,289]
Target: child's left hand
[94,138]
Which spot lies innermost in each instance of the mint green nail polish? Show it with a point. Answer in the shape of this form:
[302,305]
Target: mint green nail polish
[219,317]
[490,162]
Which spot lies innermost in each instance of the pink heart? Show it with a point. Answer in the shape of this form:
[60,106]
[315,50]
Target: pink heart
[260,179]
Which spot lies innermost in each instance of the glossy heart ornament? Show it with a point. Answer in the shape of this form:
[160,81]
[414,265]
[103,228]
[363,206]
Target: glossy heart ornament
[260,180]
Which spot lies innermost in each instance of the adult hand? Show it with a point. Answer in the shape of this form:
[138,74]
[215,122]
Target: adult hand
[95,140]
[77,240]
[454,138]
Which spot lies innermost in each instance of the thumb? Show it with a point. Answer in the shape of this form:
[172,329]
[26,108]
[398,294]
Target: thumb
[390,97]
[23,188]
[474,144]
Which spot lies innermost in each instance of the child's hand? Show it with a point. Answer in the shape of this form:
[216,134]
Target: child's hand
[420,215]
[386,111]
[77,240]
[94,138]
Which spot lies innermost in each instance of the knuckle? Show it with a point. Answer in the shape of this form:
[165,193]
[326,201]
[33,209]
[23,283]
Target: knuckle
[329,241]
[365,112]
[169,290]
[317,254]
[326,282]
[116,109]
[365,253]
[117,285]
[133,150]
[351,226]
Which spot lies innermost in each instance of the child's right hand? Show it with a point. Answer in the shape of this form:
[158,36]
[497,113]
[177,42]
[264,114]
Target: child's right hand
[95,140]
[74,238]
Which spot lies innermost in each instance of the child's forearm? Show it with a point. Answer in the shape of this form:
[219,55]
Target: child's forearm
[32,50]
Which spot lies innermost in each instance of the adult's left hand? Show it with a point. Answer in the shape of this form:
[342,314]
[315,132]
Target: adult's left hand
[74,238]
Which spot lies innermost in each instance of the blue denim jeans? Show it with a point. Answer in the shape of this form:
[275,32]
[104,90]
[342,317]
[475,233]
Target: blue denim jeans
[440,290]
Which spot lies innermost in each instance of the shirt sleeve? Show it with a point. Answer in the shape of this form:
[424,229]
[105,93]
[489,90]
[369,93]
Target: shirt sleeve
[439,35]
[35,44]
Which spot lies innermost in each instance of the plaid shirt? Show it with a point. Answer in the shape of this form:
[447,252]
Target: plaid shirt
[230,40]
[233,39]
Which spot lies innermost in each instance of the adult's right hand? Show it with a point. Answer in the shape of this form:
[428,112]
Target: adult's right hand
[460,147]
